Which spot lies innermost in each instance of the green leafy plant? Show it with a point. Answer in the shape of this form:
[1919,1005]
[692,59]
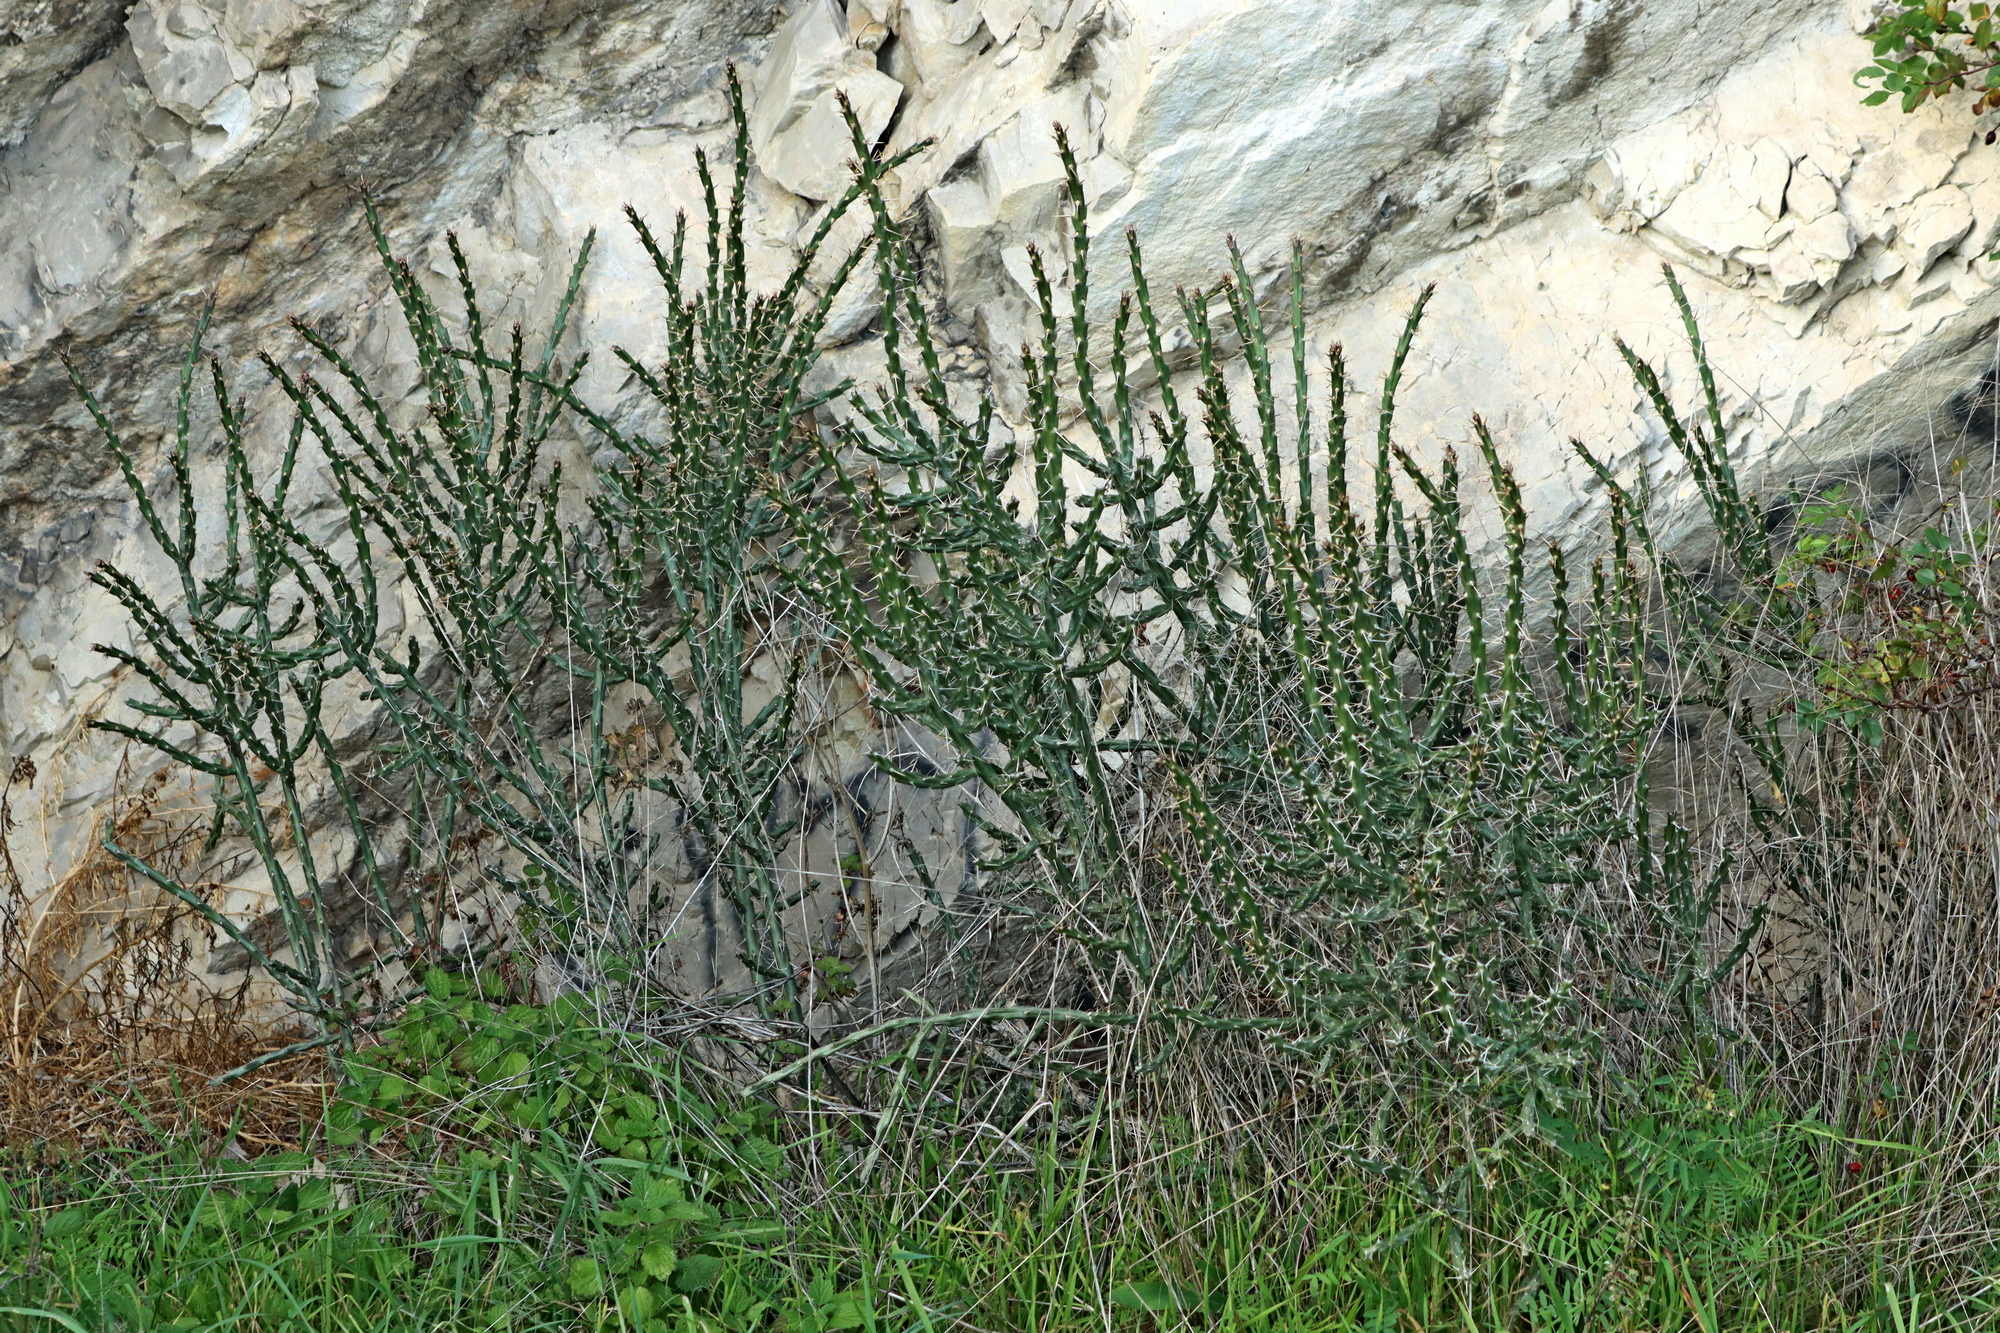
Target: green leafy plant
[1931,48]
[663,595]
[1392,810]
[671,592]
[653,1181]
[1897,625]
[508,1069]
[262,620]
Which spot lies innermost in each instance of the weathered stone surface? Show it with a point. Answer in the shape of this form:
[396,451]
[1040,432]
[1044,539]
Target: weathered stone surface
[1537,159]
[801,136]
[42,44]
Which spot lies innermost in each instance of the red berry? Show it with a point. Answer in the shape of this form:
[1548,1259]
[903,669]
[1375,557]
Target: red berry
[1854,1168]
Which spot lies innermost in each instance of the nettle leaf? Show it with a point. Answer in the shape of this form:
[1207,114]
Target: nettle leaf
[697,1272]
[763,1155]
[659,1260]
[509,1066]
[586,1279]
[842,1312]
[636,1303]
[216,1213]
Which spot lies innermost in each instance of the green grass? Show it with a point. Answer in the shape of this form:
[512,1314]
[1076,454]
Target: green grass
[1696,1213]
[1699,1218]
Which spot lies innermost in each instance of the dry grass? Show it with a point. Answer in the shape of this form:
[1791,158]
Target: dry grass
[106,1035]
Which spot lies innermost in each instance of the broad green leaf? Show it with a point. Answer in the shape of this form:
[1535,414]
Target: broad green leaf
[697,1272]
[659,1260]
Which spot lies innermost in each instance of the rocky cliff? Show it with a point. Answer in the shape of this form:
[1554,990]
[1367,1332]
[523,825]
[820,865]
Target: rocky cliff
[1535,159]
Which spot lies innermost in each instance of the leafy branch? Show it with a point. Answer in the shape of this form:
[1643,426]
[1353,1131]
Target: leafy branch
[1930,49]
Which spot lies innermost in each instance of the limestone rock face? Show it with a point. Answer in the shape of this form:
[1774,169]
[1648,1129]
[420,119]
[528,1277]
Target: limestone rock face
[42,44]
[1536,159]
[801,136]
